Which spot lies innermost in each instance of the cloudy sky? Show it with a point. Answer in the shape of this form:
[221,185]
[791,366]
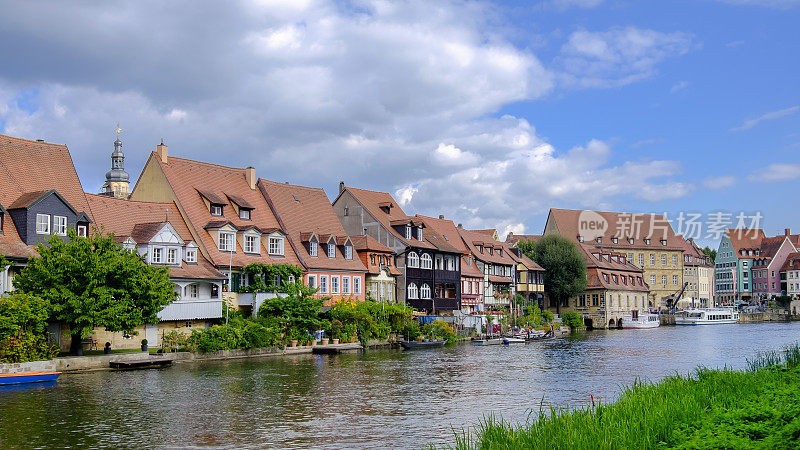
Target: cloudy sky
[488,113]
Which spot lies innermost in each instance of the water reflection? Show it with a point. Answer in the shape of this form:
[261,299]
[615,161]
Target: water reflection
[376,399]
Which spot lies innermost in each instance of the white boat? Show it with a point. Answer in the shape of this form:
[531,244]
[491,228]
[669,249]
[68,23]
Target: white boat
[707,316]
[640,320]
[496,341]
[513,340]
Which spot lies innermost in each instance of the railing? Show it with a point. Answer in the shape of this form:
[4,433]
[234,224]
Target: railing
[448,275]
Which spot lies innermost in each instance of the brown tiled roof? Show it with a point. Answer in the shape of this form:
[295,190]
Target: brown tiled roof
[302,209]
[372,201]
[468,267]
[595,279]
[690,248]
[27,199]
[125,218]
[242,203]
[10,243]
[514,238]
[366,242]
[792,262]
[187,177]
[212,197]
[745,239]
[470,238]
[566,221]
[606,260]
[28,166]
[524,260]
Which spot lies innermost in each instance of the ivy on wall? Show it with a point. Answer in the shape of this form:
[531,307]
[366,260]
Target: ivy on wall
[269,277]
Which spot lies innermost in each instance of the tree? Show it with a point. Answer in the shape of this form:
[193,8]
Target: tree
[23,328]
[296,313]
[93,282]
[710,253]
[565,268]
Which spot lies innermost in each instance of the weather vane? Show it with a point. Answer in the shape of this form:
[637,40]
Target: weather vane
[118,129]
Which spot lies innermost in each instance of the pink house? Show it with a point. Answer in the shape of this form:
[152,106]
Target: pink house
[767,264]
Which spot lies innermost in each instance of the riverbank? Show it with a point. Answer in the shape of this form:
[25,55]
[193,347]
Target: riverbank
[754,408]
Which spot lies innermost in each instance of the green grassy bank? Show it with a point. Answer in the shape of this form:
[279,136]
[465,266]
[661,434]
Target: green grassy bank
[755,408]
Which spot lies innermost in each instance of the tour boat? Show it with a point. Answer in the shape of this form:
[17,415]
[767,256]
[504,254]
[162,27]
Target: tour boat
[28,377]
[640,320]
[706,316]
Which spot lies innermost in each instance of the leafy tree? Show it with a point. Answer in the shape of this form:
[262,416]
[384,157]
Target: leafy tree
[23,328]
[295,313]
[711,253]
[573,320]
[93,282]
[565,268]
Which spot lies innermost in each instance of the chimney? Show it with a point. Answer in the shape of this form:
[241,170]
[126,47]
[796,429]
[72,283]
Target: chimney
[787,231]
[459,226]
[341,187]
[250,176]
[161,150]
[441,216]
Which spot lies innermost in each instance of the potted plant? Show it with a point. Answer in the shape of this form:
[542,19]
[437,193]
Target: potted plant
[107,348]
[144,345]
[324,341]
[335,341]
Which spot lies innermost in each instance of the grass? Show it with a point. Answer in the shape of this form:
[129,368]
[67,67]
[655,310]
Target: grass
[755,408]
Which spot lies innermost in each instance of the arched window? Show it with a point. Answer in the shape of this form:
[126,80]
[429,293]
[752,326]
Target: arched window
[412,291]
[425,291]
[426,261]
[413,261]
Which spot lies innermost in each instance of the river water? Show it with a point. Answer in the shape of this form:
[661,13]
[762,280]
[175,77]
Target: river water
[376,399]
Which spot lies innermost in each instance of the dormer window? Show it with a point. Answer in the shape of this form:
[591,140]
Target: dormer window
[491,250]
[216,210]
[580,238]
[60,225]
[312,247]
[172,255]
[331,249]
[630,241]
[157,255]
[191,255]
[275,245]
[225,241]
[251,244]
[599,239]
[43,224]
[408,231]
[664,242]
[615,240]
[81,229]
[419,233]
[348,251]
[647,241]
[244,214]
[480,249]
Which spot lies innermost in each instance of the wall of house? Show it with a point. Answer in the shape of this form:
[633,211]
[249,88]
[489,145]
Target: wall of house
[25,219]
[334,297]
[374,283]
[612,306]
[152,185]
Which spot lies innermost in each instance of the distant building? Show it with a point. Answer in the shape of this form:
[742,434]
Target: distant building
[738,247]
[494,259]
[698,273]
[767,264]
[381,276]
[117,180]
[512,239]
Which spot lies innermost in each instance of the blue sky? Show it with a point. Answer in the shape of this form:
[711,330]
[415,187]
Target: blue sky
[489,113]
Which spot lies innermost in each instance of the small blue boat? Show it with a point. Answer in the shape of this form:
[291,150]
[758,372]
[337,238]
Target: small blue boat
[28,377]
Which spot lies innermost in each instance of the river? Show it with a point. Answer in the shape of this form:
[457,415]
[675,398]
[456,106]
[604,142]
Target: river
[376,399]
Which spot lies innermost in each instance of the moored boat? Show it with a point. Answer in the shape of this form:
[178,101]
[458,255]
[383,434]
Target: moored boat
[707,316]
[495,341]
[513,340]
[28,377]
[414,345]
[640,320]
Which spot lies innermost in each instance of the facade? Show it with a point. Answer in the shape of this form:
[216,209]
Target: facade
[434,289]
[472,285]
[735,255]
[791,273]
[529,278]
[157,232]
[698,274]
[382,273]
[494,260]
[40,197]
[767,264]
[227,216]
[647,241]
[315,234]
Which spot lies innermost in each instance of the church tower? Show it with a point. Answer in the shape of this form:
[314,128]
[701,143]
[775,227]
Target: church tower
[117,180]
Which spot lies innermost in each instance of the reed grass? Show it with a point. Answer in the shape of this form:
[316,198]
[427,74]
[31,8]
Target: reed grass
[755,408]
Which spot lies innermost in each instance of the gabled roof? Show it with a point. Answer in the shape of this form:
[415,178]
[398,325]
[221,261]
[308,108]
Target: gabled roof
[240,202]
[302,210]
[596,279]
[512,238]
[521,258]
[31,199]
[697,257]
[187,178]
[30,166]
[213,198]
[472,239]
[442,234]
[145,232]
[372,203]
[364,242]
[792,262]
[621,225]
[743,239]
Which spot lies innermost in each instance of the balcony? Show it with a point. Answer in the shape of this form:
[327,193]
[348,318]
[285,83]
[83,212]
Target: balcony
[254,300]
[447,275]
[192,310]
[420,304]
[446,304]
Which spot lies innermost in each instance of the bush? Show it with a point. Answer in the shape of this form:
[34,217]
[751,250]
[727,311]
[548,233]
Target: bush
[175,341]
[439,330]
[256,335]
[23,329]
[548,316]
[411,331]
[573,320]
[216,338]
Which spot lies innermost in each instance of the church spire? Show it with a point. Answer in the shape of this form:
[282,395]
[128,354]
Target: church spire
[117,180]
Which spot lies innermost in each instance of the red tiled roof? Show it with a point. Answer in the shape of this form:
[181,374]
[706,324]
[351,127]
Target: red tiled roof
[471,237]
[792,262]
[596,279]
[745,239]
[690,248]
[302,210]
[514,238]
[366,242]
[10,243]
[187,178]
[645,226]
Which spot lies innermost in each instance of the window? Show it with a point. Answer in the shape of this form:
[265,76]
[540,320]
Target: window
[216,210]
[675,280]
[412,291]
[334,284]
[345,285]
[244,214]
[413,260]
[663,260]
[451,263]
[408,231]
[595,300]
[419,233]
[356,285]
[641,259]
[312,248]
[158,254]
[82,230]
[275,245]
[251,243]
[323,284]
[372,259]
[663,279]
[426,262]
[276,280]
[425,291]
[191,291]
[652,259]
[191,255]
[652,280]
[60,225]
[331,249]
[225,242]
[172,256]
[312,281]
[42,224]
[348,251]
[674,260]
[291,279]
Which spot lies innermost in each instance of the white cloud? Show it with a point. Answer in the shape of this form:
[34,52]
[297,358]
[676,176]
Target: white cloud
[720,182]
[772,115]
[776,172]
[405,195]
[618,56]
[567,4]
[678,86]
[451,155]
